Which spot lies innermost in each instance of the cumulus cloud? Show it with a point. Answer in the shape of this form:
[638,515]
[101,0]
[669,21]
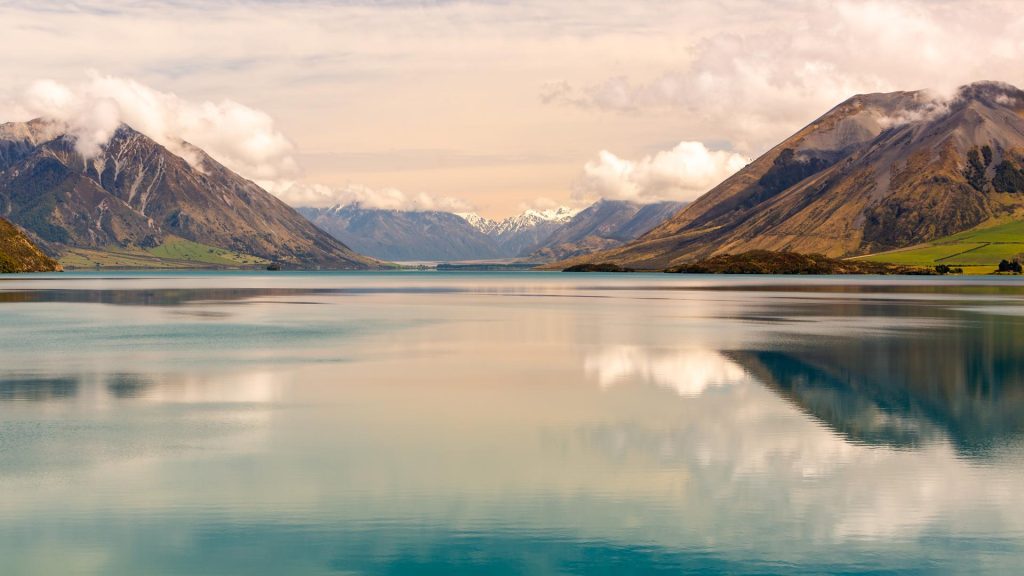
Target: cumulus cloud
[242,138]
[682,173]
[320,195]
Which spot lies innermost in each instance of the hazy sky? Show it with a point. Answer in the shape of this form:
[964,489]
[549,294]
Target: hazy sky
[490,105]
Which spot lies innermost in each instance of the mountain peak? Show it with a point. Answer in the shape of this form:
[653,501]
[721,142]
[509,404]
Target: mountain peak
[529,218]
[877,172]
[135,193]
[992,92]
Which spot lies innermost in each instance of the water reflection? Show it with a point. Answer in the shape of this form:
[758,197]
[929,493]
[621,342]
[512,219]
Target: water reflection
[179,297]
[458,427]
[892,419]
[38,389]
[901,386]
[129,385]
[687,372]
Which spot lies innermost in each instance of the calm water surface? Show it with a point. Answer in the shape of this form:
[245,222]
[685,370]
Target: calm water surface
[509,423]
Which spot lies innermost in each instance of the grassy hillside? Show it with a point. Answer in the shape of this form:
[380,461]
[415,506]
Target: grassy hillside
[976,251]
[174,253]
[18,254]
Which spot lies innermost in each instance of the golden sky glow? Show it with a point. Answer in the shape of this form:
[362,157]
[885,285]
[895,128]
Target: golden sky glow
[497,106]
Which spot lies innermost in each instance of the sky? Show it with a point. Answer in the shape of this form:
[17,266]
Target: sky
[490,106]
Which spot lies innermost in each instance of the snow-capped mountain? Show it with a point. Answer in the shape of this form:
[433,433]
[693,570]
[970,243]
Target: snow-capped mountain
[523,233]
[483,225]
[520,222]
[532,218]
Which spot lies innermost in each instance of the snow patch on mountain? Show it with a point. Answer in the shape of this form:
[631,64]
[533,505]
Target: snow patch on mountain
[527,220]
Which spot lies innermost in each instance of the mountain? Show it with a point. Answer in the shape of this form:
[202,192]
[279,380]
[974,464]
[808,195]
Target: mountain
[877,172]
[483,225]
[603,225]
[535,235]
[404,236]
[435,236]
[19,254]
[521,234]
[137,195]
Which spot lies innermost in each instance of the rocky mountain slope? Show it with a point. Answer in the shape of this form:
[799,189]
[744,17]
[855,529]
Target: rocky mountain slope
[136,193]
[19,254]
[604,224]
[877,172]
[404,236]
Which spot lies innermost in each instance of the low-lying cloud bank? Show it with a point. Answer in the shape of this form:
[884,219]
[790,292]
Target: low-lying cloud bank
[681,174]
[320,196]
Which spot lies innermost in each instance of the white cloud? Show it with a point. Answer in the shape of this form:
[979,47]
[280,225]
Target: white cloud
[242,138]
[682,173]
[320,195]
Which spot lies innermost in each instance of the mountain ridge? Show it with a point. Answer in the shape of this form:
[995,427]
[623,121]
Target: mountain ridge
[397,235]
[530,236]
[137,193]
[876,172]
[602,225]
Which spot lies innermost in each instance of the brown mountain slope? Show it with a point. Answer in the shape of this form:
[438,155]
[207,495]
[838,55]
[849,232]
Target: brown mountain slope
[877,172]
[19,254]
[136,193]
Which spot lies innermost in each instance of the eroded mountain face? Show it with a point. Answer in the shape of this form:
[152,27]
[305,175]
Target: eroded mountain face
[877,172]
[136,193]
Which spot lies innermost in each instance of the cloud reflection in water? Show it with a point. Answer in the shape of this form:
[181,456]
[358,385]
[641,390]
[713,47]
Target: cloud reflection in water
[689,372]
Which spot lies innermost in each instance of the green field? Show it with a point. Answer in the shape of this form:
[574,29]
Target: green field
[185,250]
[175,253]
[976,251]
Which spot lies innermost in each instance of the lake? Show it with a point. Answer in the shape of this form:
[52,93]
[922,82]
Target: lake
[509,423]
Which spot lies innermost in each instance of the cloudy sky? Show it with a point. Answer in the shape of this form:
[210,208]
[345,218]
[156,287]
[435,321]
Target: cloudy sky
[487,105]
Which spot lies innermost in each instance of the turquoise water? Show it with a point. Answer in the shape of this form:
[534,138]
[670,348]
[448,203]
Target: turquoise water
[509,423]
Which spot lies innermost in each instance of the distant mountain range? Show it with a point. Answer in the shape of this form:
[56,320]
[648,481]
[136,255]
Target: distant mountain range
[536,235]
[396,235]
[877,172]
[136,196]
